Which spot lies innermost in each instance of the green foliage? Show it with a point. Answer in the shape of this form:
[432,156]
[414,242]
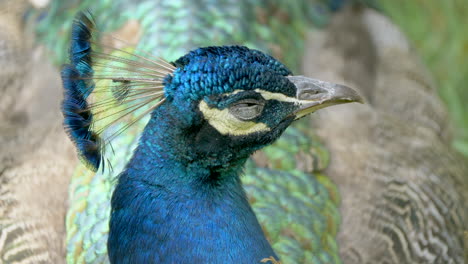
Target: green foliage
[438,31]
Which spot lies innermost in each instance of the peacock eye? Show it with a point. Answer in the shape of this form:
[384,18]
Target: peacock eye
[247,109]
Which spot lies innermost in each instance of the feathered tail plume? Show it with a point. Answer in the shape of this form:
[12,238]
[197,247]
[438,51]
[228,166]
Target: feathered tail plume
[106,92]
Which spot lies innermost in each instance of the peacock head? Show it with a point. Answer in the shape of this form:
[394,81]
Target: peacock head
[227,101]
[238,100]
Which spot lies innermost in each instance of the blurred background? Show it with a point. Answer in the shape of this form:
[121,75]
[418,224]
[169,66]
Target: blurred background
[332,39]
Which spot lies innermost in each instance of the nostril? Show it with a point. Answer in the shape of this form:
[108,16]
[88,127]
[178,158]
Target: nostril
[310,93]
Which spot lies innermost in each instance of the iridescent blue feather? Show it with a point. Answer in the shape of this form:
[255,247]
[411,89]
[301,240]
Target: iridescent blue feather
[78,85]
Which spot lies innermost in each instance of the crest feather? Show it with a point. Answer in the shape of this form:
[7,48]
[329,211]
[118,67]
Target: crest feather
[106,89]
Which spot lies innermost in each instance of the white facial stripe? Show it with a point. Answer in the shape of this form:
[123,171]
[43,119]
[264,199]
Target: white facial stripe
[283,98]
[227,124]
[234,92]
[267,95]
[277,96]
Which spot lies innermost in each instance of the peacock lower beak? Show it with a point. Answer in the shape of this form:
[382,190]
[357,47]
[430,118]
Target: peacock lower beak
[313,94]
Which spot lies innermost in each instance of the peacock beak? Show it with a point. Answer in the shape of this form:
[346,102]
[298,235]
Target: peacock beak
[313,94]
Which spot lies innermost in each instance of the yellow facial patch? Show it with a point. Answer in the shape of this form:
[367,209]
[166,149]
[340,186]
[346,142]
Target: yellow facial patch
[227,124]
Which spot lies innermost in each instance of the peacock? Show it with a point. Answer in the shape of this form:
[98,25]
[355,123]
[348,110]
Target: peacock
[180,198]
[380,219]
[88,228]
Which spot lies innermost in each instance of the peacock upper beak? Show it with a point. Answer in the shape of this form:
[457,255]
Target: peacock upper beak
[313,94]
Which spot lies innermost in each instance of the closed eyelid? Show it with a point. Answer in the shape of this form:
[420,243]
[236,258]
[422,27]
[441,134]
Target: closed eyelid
[223,101]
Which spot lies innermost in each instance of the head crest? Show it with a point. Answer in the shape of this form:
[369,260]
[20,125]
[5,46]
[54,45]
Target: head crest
[107,89]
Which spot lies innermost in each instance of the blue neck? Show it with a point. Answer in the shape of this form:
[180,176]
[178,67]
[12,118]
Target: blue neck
[172,206]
